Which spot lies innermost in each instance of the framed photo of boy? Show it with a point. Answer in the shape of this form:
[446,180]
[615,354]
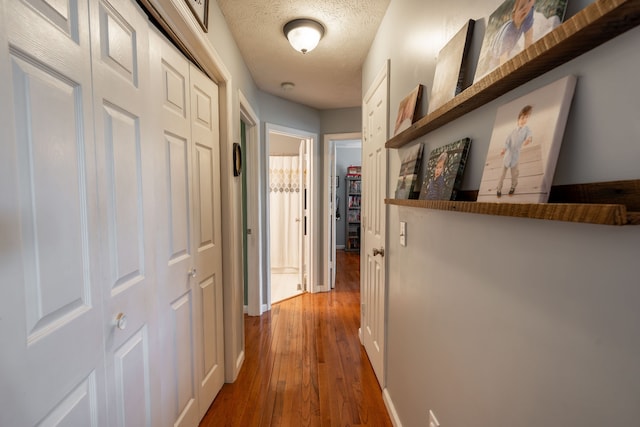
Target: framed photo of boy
[408,110]
[200,9]
[445,166]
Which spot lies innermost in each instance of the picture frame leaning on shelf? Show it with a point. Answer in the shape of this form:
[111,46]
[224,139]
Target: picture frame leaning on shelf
[408,110]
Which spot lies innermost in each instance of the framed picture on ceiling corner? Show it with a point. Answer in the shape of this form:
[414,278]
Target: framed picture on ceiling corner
[200,9]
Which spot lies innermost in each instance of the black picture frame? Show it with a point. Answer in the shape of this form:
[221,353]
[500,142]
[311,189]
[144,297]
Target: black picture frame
[237,159]
[200,9]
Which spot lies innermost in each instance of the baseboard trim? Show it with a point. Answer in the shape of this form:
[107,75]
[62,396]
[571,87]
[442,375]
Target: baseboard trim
[239,362]
[391,409]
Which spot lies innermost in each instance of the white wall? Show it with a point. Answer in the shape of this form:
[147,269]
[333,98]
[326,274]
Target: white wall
[505,322]
[341,120]
[220,37]
[280,145]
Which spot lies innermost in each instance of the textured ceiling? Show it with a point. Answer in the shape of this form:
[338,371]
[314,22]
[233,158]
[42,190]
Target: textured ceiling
[325,78]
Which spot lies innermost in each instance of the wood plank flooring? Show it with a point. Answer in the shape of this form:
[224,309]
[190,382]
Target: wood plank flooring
[304,365]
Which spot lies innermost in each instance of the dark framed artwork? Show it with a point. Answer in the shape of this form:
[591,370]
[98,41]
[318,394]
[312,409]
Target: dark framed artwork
[445,166]
[408,185]
[237,159]
[200,9]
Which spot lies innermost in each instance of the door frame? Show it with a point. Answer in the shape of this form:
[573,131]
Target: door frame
[331,142]
[312,268]
[255,209]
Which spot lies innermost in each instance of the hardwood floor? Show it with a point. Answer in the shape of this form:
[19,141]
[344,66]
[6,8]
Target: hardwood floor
[304,365]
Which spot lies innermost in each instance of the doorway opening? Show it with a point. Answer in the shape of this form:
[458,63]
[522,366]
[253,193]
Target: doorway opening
[290,212]
[341,151]
[253,212]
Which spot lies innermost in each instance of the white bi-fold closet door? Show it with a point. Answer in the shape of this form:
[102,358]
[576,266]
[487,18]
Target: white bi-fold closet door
[52,326]
[189,236]
[95,214]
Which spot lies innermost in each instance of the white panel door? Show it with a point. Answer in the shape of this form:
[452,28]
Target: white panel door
[52,357]
[374,190]
[175,267]
[120,56]
[207,237]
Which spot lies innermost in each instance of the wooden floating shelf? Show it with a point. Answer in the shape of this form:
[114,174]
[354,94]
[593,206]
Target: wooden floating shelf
[586,213]
[597,23]
[586,204]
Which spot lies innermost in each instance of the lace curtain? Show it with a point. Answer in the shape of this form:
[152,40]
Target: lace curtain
[284,205]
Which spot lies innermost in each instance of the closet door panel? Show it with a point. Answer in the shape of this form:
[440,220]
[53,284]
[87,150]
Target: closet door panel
[125,158]
[207,236]
[51,322]
[177,299]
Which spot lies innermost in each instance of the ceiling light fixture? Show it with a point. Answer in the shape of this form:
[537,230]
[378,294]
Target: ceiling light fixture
[303,34]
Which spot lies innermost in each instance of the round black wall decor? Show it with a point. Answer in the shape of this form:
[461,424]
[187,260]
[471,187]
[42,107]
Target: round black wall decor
[237,159]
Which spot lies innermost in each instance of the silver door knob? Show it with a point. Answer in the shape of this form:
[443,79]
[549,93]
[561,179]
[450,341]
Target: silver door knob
[378,251]
[121,321]
[192,273]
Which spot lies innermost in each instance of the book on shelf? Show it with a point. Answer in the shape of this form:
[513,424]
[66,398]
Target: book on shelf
[525,143]
[408,186]
[354,186]
[445,167]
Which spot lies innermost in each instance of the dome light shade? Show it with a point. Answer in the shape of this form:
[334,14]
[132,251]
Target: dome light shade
[303,34]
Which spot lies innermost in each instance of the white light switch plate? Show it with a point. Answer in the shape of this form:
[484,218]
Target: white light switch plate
[403,233]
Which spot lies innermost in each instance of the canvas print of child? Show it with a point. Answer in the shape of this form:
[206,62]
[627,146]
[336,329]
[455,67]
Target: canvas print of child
[524,145]
[437,187]
[513,27]
[510,153]
[445,167]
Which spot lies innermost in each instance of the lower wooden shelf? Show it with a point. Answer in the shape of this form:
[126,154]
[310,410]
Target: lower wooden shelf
[607,203]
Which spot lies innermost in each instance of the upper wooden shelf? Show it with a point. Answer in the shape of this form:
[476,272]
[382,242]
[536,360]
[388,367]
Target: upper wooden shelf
[597,23]
[607,203]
